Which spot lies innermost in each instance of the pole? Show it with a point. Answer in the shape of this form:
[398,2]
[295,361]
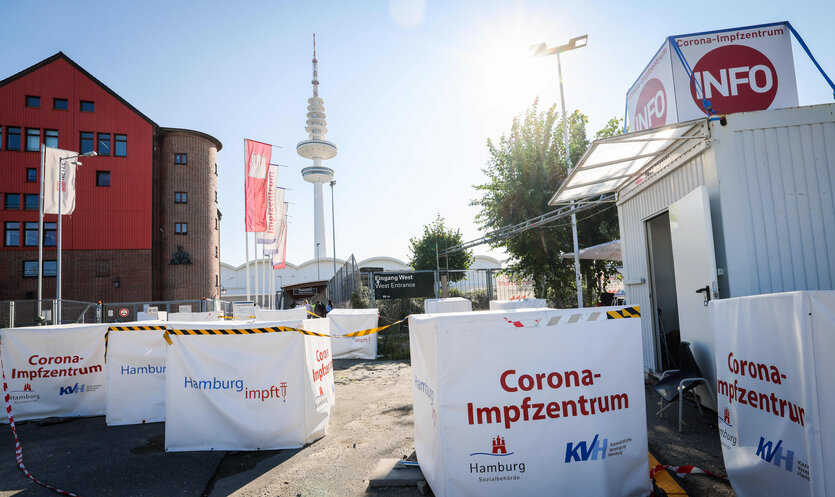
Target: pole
[40,233]
[577,278]
[255,258]
[246,235]
[318,273]
[57,307]
[333,223]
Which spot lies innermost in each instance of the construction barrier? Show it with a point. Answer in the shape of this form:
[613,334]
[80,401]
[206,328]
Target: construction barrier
[55,370]
[135,374]
[774,373]
[280,314]
[343,321]
[188,317]
[451,304]
[530,402]
[496,305]
[261,388]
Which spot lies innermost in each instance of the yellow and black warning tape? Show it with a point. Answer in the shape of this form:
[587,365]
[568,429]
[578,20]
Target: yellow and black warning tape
[128,328]
[272,329]
[626,312]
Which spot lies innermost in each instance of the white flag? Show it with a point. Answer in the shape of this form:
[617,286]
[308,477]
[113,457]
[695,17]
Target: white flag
[51,175]
[280,255]
[281,227]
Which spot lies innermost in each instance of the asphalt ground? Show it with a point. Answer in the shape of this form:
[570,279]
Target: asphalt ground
[372,421]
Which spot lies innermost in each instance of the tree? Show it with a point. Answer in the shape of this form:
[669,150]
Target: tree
[437,237]
[525,169]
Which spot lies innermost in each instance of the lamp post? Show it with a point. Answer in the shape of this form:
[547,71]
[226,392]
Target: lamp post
[542,50]
[333,223]
[61,182]
[318,274]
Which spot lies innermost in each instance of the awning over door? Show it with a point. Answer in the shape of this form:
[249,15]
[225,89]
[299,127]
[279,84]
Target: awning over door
[610,163]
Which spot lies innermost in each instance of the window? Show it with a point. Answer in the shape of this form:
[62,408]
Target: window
[86,142]
[12,234]
[33,140]
[104,144]
[60,104]
[216,224]
[1,137]
[12,201]
[50,236]
[121,149]
[13,139]
[215,196]
[30,234]
[33,101]
[30,268]
[181,228]
[180,197]
[180,158]
[102,178]
[31,174]
[215,168]
[30,201]
[87,106]
[216,252]
[51,138]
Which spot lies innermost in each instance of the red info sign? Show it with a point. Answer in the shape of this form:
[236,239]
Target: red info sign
[651,110]
[735,78]
[255,184]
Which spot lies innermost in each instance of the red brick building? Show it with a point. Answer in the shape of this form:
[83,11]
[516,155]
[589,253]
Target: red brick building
[149,191]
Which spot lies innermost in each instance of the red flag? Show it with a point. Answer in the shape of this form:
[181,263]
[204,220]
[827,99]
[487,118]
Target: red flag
[257,156]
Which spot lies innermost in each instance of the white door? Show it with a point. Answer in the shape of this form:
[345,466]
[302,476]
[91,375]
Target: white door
[695,269]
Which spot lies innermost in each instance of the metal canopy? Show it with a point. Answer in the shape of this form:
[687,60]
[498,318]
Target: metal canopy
[610,163]
[609,251]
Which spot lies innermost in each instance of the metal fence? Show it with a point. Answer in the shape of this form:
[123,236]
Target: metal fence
[342,285]
[18,313]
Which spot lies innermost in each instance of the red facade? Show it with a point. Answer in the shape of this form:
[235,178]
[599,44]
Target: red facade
[115,217]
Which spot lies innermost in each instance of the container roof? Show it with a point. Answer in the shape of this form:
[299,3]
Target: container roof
[611,163]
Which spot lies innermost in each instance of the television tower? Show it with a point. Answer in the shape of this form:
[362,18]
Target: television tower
[318,149]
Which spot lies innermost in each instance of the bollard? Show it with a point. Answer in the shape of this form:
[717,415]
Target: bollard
[56,312]
[11,314]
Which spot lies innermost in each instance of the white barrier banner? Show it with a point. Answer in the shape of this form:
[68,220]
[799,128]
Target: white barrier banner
[541,402]
[451,304]
[774,372]
[54,370]
[496,305]
[343,321]
[247,391]
[194,316]
[135,377]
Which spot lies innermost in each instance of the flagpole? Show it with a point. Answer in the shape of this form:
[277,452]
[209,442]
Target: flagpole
[255,240]
[246,235]
[57,311]
[40,235]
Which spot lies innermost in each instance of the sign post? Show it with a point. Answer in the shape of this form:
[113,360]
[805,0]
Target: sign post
[404,285]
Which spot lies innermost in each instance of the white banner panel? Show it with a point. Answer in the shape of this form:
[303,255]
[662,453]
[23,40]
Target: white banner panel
[184,317]
[651,102]
[452,304]
[343,321]
[772,386]
[55,370]
[543,401]
[247,391]
[496,305]
[135,377]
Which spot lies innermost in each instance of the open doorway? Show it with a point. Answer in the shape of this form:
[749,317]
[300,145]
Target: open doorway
[662,280]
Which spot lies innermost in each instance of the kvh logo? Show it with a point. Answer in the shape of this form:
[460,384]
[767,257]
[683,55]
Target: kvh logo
[735,78]
[651,109]
[77,388]
[583,451]
[773,453]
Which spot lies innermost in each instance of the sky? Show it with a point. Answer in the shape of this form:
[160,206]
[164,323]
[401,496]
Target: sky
[413,89]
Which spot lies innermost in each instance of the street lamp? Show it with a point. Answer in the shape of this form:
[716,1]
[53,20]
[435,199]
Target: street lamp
[542,50]
[333,222]
[61,181]
[318,274]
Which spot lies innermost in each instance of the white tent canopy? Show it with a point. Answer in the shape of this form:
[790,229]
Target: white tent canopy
[610,163]
[609,251]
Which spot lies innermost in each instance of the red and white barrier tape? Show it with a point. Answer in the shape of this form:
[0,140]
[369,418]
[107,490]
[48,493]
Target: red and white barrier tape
[18,449]
[682,471]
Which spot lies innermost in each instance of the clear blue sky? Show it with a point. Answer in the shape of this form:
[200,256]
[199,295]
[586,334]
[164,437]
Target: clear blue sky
[412,89]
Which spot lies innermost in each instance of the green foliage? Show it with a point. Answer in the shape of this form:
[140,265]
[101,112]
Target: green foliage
[361,298]
[525,169]
[436,236]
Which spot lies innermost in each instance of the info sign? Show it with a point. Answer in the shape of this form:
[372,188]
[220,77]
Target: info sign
[405,285]
[737,70]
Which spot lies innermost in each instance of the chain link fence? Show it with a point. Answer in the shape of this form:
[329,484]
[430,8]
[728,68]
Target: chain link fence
[343,284]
